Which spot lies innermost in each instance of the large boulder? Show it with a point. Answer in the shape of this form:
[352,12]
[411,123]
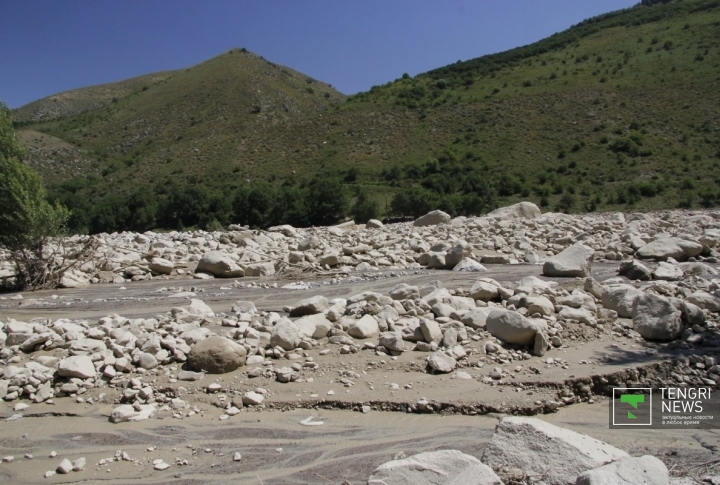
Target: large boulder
[285,335]
[197,308]
[621,299]
[310,306]
[128,413]
[430,330]
[705,300]
[655,317]
[404,291]
[540,448]
[511,327]
[668,272]
[219,265]
[161,266]
[576,260]
[442,467]
[309,243]
[366,327]
[521,210]
[432,219]
[80,366]
[469,265]
[539,304]
[457,253]
[441,362]
[669,247]
[260,269]
[314,326]
[485,290]
[580,314]
[217,355]
[643,470]
[73,278]
[635,270]
[392,341]
[476,318]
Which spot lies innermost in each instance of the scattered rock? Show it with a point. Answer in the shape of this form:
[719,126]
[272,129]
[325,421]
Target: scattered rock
[219,265]
[511,327]
[521,210]
[80,366]
[576,260]
[64,467]
[127,413]
[540,448]
[670,247]
[644,470]
[655,318]
[432,219]
[434,468]
[441,362]
[217,355]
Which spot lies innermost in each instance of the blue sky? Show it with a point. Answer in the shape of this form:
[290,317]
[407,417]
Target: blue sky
[51,46]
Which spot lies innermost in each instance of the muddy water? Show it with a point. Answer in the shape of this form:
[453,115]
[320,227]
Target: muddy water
[277,449]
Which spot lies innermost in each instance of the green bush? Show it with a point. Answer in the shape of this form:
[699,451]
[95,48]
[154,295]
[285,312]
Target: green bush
[27,220]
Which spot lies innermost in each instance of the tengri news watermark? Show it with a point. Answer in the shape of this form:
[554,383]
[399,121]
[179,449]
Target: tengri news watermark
[665,407]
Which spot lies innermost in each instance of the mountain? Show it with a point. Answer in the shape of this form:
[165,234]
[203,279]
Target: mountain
[76,101]
[619,111]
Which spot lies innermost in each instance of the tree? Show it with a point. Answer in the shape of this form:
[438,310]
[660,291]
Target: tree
[143,209]
[414,202]
[27,220]
[326,201]
[364,208]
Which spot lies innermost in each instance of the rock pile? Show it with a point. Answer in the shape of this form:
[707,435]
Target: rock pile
[566,245]
[504,324]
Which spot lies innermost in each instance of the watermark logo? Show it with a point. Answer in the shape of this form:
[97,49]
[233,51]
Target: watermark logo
[665,407]
[632,406]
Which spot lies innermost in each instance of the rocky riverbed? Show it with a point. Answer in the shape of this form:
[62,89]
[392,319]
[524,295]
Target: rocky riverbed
[517,313]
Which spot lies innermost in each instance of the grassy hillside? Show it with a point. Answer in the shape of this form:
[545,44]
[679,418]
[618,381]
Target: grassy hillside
[56,159]
[620,111]
[70,103]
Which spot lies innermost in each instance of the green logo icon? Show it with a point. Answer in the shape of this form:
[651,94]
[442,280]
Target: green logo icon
[631,407]
[633,400]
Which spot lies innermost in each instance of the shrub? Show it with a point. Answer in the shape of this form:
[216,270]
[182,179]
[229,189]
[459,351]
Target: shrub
[28,222]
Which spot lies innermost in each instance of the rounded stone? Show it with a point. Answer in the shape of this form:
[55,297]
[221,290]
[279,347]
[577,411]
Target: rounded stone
[217,355]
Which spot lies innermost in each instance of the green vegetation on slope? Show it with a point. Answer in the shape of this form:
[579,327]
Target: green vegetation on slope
[619,111]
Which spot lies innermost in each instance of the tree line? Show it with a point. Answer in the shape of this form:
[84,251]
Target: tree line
[317,202]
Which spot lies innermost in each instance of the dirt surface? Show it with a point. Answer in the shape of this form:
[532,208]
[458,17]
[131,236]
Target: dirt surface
[145,298]
[276,448]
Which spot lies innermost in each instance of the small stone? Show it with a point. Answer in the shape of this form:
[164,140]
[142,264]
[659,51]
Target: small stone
[21,406]
[237,456]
